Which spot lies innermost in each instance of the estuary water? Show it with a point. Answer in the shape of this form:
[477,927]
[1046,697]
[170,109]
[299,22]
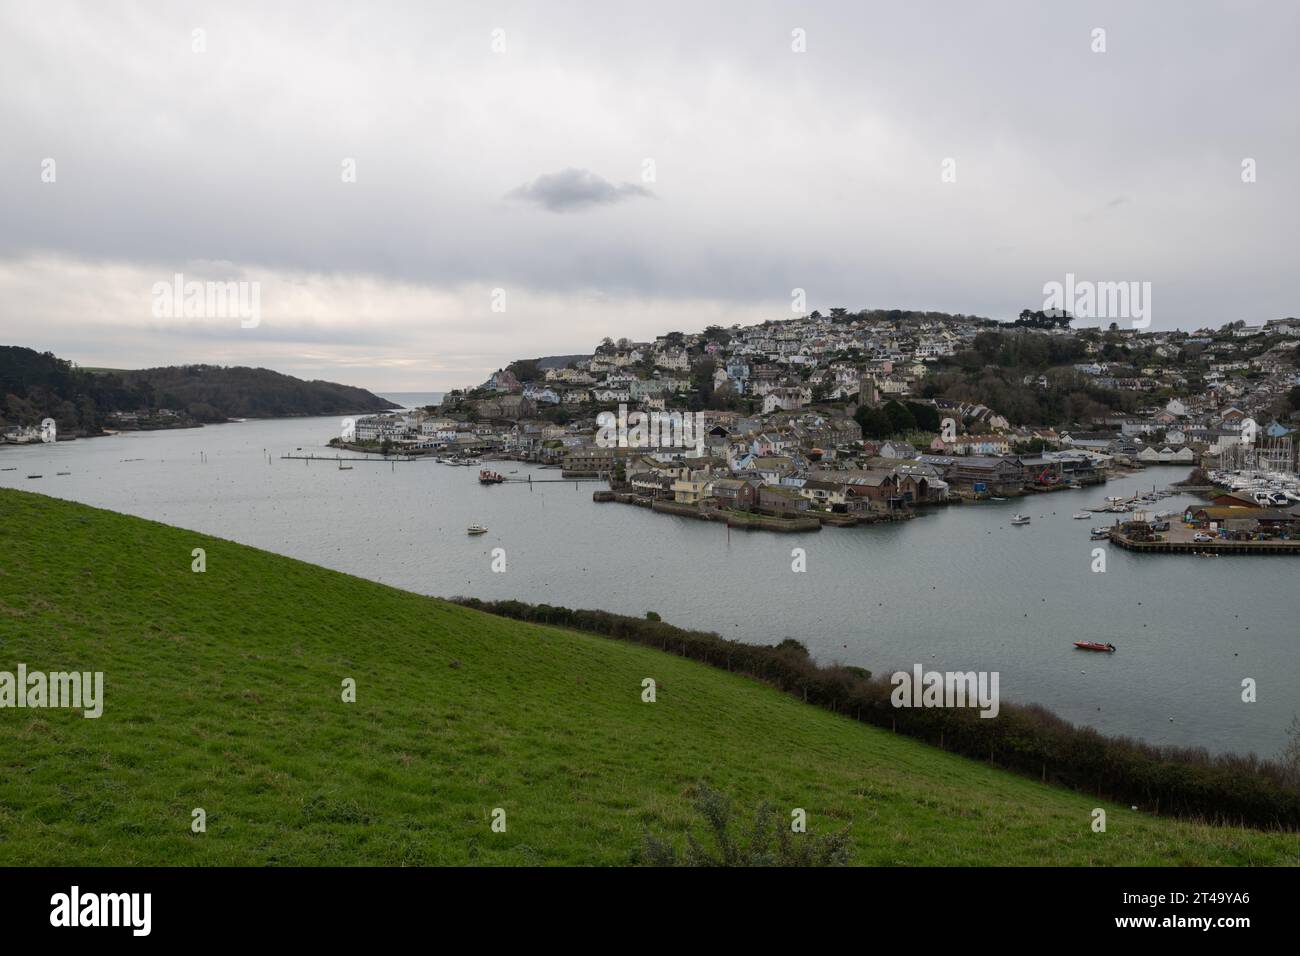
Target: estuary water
[958,589]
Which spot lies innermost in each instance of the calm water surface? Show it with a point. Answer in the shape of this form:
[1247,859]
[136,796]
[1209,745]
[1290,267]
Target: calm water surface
[958,589]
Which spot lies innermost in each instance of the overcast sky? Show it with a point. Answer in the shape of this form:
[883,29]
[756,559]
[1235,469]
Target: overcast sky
[625,168]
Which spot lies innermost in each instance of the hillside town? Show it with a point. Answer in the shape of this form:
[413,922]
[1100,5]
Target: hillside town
[869,416]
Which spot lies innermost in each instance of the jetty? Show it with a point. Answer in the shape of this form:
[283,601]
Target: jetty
[1164,545]
[334,458]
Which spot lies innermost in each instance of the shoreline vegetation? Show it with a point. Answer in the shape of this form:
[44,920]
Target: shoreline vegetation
[222,691]
[1182,782]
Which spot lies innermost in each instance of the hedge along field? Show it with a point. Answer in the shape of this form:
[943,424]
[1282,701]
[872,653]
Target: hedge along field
[223,692]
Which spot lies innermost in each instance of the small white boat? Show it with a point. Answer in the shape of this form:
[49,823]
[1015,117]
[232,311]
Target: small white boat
[1082,515]
[1020,519]
[997,499]
[476,529]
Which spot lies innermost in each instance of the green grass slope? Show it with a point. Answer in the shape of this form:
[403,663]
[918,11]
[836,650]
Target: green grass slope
[223,691]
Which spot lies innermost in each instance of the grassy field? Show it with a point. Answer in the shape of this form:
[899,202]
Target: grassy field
[223,692]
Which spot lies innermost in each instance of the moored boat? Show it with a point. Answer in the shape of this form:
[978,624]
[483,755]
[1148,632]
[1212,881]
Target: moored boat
[486,477]
[476,529]
[1082,515]
[1020,519]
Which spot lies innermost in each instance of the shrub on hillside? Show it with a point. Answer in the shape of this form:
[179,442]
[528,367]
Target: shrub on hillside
[768,842]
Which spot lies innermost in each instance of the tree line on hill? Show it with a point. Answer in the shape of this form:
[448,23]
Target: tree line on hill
[994,370]
[38,385]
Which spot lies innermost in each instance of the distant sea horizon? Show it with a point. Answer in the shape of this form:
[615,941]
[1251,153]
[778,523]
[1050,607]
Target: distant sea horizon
[412,399]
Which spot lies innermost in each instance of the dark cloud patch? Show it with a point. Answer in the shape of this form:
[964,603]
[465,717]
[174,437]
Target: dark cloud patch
[572,189]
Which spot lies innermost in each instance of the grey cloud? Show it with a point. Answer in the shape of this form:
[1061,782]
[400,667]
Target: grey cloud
[573,189]
[816,170]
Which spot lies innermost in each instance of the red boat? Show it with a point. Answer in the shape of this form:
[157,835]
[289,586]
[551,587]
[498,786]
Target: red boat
[1094,646]
[486,477]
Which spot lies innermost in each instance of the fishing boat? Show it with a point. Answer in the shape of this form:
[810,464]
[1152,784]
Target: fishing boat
[476,529]
[486,477]
[1095,646]
[1082,515]
[1020,519]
